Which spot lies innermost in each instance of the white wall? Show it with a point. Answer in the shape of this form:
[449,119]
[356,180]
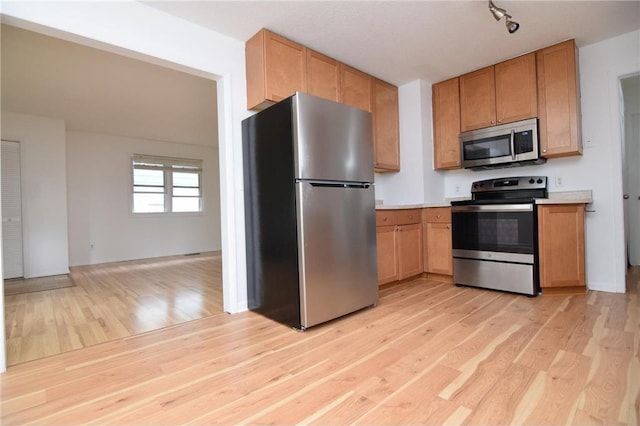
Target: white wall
[598,169]
[101,225]
[417,183]
[44,191]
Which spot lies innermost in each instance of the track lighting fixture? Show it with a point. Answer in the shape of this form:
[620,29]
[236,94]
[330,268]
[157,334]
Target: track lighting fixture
[498,13]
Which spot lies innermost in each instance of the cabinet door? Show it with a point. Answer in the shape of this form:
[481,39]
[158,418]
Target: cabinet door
[385,126]
[439,256]
[387,254]
[559,100]
[409,250]
[275,69]
[446,124]
[477,99]
[561,241]
[323,76]
[516,89]
[355,88]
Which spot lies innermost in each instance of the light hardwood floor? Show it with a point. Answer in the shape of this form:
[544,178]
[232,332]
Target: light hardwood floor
[111,301]
[429,353]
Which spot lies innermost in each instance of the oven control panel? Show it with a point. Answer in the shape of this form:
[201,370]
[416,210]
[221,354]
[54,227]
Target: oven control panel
[510,184]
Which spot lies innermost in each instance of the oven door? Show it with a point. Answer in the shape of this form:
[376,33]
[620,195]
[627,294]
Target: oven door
[495,246]
[496,228]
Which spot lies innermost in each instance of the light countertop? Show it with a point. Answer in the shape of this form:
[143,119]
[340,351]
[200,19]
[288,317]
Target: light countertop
[567,197]
[557,197]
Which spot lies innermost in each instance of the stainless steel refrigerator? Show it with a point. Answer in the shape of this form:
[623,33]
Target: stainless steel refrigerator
[310,211]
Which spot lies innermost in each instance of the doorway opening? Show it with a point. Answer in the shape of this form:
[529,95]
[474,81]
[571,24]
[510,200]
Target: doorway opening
[631,173]
[153,269]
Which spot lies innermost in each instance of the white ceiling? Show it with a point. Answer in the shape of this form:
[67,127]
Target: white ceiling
[98,91]
[401,41]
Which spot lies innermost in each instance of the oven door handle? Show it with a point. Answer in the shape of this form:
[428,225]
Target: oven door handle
[512,143]
[497,208]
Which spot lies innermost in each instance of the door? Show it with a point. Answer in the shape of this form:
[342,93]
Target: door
[631,173]
[337,246]
[332,141]
[12,254]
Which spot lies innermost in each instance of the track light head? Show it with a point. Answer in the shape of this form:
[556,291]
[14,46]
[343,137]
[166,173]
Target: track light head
[512,26]
[499,13]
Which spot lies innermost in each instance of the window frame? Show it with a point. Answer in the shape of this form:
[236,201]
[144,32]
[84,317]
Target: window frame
[168,165]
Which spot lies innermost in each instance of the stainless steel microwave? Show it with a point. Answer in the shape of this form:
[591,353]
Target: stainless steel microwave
[507,145]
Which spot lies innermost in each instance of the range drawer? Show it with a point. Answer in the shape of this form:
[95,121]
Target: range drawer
[437,214]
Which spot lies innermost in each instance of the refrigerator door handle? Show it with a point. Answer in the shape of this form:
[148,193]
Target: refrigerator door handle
[334,184]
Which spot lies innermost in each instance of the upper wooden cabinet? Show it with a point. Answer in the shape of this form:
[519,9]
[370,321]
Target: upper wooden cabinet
[516,89]
[385,126]
[477,99]
[446,124]
[323,76]
[499,94]
[559,100]
[355,88]
[277,69]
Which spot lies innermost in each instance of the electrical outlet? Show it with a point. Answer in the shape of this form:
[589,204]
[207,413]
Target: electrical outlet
[559,181]
[457,189]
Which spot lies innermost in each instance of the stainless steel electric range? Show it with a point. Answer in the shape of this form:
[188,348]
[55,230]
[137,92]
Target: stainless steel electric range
[495,235]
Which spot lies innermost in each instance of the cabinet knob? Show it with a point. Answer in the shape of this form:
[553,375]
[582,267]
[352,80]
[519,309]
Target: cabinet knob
[499,121]
[493,122]
[437,216]
[384,219]
[625,196]
[410,217]
[448,227]
[544,150]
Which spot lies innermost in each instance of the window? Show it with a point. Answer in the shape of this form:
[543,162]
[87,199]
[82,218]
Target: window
[164,185]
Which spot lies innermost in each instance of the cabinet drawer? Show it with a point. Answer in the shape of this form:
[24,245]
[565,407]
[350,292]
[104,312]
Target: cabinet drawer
[437,214]
[386,217]
[406,217]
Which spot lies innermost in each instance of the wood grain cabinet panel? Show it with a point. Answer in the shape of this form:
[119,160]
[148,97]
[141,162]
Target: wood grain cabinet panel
[446,124]
[323,76]
[399,244]
[516,89]
[477,99]
[276,69]
[561,246]
[387,248]
[385,126]
[500,94]
[437,241]
[559,100]
[409,250]
[355,88]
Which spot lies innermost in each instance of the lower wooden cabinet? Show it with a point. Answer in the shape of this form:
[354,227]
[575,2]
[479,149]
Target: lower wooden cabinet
[399,242]
[561,248]
[387,254]
[409,250]
[438,256]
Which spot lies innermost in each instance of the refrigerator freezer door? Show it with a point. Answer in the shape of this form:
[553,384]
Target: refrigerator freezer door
[331,141]
[337,243]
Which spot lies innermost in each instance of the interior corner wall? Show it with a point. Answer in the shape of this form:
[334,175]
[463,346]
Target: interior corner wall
[407,185]
[44,191]
[102,227]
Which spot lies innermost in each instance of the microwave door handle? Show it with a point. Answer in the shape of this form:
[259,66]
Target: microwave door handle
[512,143]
